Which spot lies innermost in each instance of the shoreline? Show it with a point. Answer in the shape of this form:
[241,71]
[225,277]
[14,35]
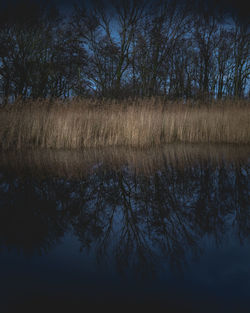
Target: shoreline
[78,163]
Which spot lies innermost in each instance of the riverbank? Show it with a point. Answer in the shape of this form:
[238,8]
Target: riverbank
[142,123]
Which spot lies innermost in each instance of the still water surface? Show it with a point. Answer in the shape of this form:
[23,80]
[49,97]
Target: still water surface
[167,230]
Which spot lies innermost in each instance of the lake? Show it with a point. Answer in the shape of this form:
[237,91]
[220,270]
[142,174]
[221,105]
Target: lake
[162,229]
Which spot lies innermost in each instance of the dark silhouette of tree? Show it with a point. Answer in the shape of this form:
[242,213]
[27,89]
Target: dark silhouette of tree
[176,49]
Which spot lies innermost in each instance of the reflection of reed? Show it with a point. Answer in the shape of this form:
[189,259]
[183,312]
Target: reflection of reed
[76,164]
[161,209]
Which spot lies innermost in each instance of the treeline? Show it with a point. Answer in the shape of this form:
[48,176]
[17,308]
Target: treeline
[125,48]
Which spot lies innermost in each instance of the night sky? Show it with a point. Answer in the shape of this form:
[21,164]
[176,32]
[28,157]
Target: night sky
[237,7]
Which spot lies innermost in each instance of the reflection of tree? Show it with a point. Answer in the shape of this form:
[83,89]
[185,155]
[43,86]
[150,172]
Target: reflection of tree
[137,220]
[241,202]
[30,217]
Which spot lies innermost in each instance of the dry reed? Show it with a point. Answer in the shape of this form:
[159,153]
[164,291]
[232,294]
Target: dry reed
[141,123]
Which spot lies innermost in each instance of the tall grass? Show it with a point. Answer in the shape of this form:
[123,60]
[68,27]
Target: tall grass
[141,123]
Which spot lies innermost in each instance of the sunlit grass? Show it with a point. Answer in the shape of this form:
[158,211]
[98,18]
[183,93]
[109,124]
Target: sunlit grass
[141,123]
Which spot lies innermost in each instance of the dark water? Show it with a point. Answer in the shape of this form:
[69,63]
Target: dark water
[175,238]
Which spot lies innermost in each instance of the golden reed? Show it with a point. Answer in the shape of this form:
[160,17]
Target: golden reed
[79,124]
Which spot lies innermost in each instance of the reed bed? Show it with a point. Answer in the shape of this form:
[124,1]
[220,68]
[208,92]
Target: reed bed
[79,124]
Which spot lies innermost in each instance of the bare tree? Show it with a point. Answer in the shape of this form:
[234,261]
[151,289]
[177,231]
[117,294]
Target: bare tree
[240,57]
[122,48]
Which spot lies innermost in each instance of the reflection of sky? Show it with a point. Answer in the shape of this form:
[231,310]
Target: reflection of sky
[220,274]
[217,269]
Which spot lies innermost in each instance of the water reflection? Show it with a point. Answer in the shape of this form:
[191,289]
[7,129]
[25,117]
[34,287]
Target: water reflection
[138,217]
